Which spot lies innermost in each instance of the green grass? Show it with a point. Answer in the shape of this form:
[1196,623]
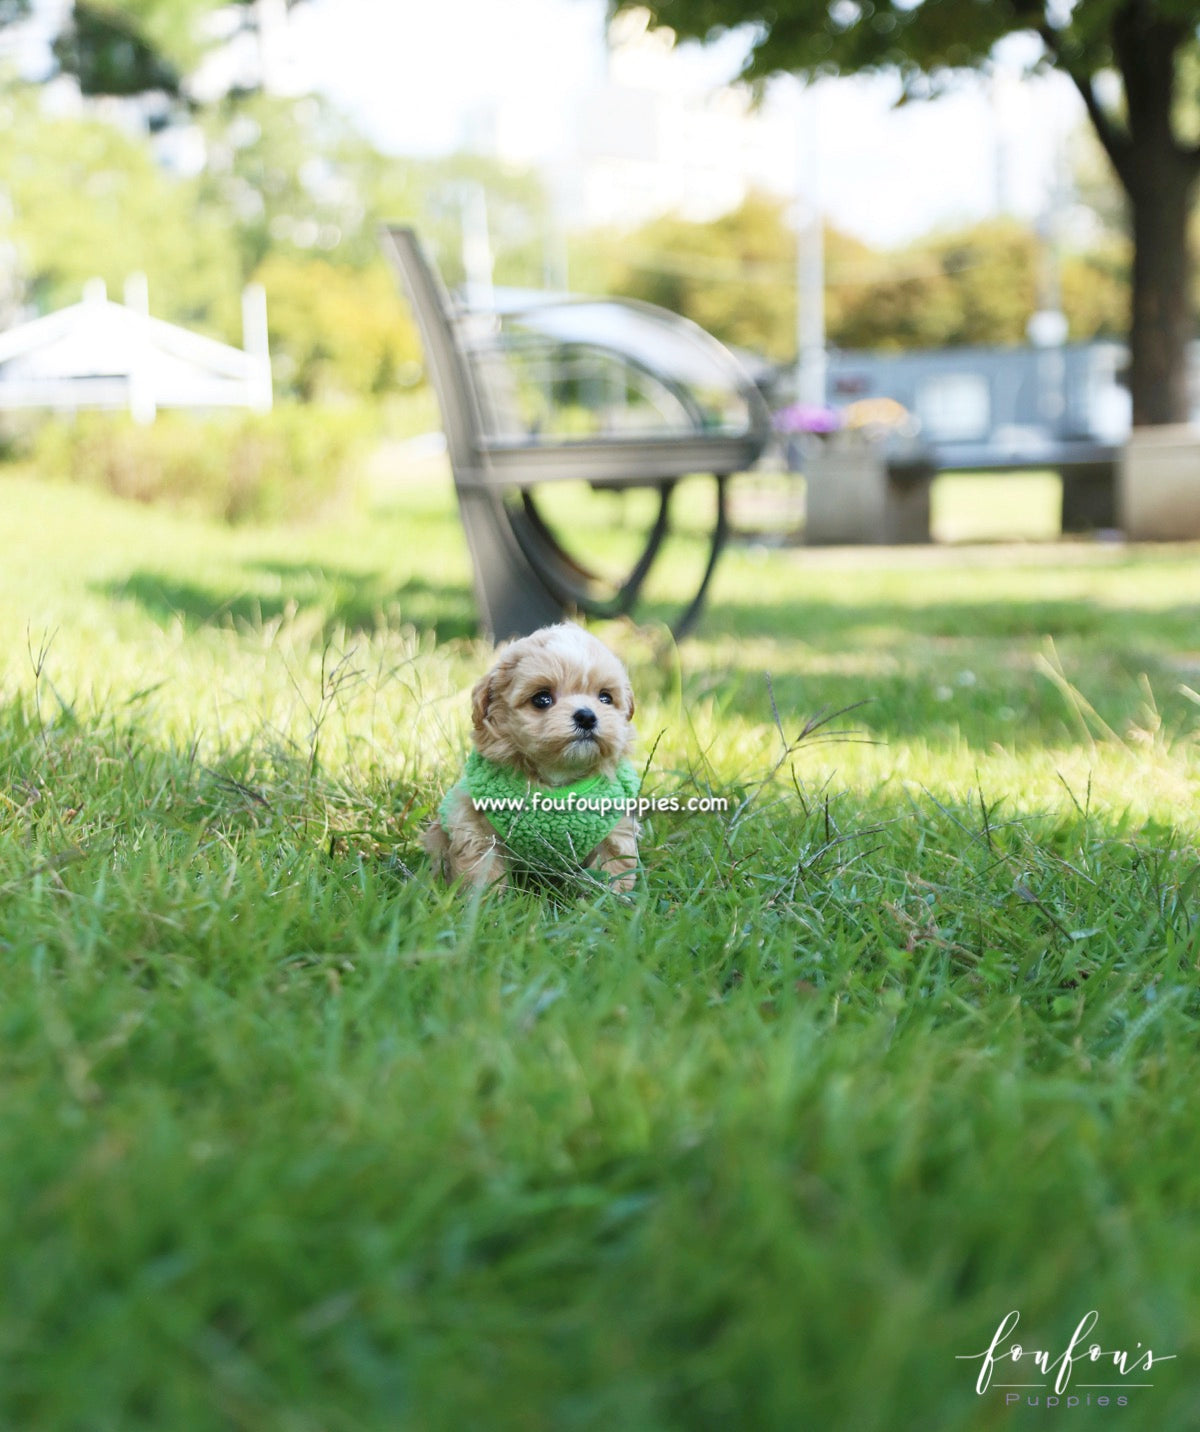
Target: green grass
[290,1139]
[1017,506]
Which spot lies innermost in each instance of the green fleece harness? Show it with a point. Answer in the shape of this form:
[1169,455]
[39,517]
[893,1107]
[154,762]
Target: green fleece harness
[553,830]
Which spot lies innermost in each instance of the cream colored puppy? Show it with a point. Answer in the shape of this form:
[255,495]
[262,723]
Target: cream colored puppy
[552,735]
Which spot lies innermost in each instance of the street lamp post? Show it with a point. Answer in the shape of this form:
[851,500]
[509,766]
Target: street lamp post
[810,265]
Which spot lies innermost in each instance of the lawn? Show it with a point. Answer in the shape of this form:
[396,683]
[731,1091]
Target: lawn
[290,1139]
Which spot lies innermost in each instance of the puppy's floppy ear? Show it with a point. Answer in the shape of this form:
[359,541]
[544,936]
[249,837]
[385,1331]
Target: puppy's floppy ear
[491,687]
[481,699]
[627,701]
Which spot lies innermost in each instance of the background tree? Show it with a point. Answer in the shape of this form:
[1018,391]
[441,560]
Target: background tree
[735,275]
[971,286]
[80,198]
[304,194]
[131,47]
[289,194]
[337,332]
[977,285]
[293,175]
[1149,137]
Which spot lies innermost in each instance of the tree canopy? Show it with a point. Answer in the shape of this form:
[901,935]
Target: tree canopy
[1149,135]
[290,194]
[83,199]
[127,47]
[736,276]
[926,41]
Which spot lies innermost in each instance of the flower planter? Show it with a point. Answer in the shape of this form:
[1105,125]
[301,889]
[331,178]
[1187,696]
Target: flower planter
[1159,485]
[857,494]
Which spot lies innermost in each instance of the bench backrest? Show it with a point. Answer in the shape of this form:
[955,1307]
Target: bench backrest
[473,361]
[449,367]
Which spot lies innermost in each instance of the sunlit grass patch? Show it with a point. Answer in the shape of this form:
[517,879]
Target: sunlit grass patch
[1011,507]
[292,1139]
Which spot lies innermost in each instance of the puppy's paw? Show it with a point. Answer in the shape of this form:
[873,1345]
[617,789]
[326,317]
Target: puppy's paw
[436,845]
[460,855]
[616,857]
[468,846]
[624,879]
[488,871]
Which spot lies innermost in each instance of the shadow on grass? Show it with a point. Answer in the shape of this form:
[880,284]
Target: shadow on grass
[926,668]
[271,591]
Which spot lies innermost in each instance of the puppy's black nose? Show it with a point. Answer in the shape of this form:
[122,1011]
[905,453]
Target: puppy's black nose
[585,719]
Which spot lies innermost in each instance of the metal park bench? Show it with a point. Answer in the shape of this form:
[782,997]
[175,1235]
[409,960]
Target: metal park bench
[536,390]
[1062,409]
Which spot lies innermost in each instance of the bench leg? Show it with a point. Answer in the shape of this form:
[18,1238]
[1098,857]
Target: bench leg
[683,625]
[512,600]
[567,578]
[525,579]
[1089,497]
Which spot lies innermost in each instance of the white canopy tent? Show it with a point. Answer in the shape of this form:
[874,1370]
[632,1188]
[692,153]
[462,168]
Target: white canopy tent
[101,354]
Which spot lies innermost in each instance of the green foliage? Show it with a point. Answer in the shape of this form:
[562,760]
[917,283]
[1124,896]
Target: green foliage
[1095,290]
[295,178]
[86,200]
[291,1139]
[924,42]
[337,331]
[735,276]
[287,465]
[109,49]
[298,180]
[979,286]
[129,47]
[974,287]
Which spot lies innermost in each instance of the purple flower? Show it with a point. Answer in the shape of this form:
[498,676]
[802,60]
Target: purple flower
[806,418]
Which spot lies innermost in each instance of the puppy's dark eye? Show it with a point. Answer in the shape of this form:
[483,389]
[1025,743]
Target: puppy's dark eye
[606,697]
[543,700]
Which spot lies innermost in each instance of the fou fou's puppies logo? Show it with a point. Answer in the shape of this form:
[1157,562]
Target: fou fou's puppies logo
[1039,1377]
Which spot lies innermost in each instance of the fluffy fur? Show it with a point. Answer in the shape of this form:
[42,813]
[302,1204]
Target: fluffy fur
[585,730]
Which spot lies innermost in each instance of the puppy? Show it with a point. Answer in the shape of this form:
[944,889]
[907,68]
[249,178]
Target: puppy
[552,735]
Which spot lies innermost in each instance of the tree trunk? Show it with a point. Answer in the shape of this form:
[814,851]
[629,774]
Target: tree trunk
[1159,176]
[1160,194]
